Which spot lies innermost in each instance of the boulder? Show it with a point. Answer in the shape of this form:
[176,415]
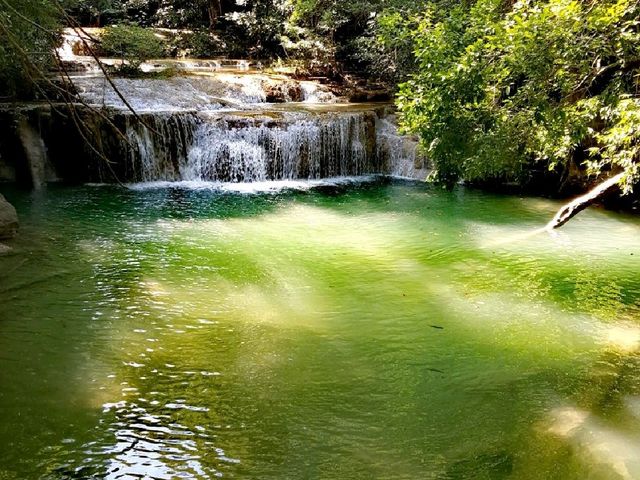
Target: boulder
[281,92]
[8,219]
[359,95]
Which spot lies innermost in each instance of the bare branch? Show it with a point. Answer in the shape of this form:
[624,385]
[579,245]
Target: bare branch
[571,209]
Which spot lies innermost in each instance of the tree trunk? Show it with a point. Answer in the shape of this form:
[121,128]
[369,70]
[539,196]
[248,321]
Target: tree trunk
[571,209]
[215,11]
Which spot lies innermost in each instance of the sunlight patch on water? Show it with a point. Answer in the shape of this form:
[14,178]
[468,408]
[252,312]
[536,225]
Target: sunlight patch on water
[510,322]
[279,304]
[275,239]
[585,237]
[563,421]
[623,337]
[632,403]
[597,444]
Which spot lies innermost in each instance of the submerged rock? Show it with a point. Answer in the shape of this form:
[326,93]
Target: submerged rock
[8,220]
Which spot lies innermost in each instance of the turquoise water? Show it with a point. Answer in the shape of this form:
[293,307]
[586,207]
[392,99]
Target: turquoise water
[383,330]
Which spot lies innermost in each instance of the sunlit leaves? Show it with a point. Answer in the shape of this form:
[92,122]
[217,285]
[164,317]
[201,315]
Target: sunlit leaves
[498,91]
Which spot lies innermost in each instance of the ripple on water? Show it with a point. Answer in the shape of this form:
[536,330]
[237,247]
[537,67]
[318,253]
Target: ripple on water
[371,331]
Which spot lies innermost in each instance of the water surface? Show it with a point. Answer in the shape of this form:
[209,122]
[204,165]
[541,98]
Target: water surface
[386,330]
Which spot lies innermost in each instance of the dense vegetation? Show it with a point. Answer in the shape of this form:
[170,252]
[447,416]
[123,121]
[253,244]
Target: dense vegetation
[28,33]
[499,91]
[132,43]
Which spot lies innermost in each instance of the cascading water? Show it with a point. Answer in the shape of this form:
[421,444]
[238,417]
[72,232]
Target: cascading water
[400,153]
[231,148]
[237,147]
[224,126]
[305,148]
[159,149]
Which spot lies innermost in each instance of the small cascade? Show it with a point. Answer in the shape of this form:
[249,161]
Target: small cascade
[240,149]
[159,149]
[35,152]
[188,93]
[74,51]
[313,92]
[401,154]
[232,150]
[177,94]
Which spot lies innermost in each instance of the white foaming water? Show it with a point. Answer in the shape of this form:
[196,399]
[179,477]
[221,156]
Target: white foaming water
[272,186]
[236,148]
[159,155]
[65,52]
[262,146]
[175,94]
[189,93]
[313,92]
[304,148]
[400,152]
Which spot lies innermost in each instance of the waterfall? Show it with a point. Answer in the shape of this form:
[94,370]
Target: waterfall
[226,127]
[301,149]
[212,146]
[230,148]
[400,153]
[236,147]
[226,122]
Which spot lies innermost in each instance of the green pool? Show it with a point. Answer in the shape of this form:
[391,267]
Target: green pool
[383,330]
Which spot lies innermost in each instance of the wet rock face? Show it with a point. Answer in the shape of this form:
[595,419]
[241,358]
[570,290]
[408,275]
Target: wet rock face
[8,220]
[282,92]
[357,95]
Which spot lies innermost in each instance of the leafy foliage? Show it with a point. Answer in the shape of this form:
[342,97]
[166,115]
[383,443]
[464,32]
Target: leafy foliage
[96,12]
[501,91]
[254,28]
[330,31]
[28,33]
[131,43]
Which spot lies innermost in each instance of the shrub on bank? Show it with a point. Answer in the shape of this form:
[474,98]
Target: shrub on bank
[194,44]
[132,44]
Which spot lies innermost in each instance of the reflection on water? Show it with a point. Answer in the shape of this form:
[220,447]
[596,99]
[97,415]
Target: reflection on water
[372,331]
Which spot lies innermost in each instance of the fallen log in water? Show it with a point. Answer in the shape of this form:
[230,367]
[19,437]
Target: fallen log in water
[571,209]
